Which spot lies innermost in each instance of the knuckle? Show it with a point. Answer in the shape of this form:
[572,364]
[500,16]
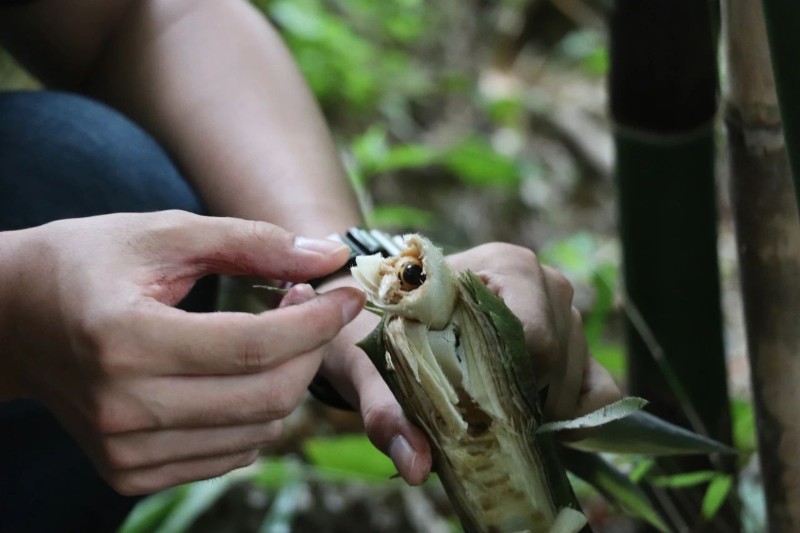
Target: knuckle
[168,221]
[246,459]
[253,230]
[258,231]
[102,339]
[252,356]
[279,402]
[510,251]
[577,318]
[272,432]
[280,407]
[109,417]
[177,215]
[374,413]
[126,483]
[114,415]
[545,346]
[94,335]
[561,283]
[375,417]
[119,457]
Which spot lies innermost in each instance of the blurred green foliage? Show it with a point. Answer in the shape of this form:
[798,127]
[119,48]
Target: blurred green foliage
[579,259]
[355,54]
[348,457]
[585,48]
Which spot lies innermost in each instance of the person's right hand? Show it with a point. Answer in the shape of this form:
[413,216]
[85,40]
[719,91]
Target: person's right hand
[157,396]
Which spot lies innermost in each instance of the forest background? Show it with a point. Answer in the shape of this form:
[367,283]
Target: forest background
[471,121]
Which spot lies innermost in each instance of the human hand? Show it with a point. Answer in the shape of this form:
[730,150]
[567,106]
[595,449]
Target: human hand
[154,395]
[539,296]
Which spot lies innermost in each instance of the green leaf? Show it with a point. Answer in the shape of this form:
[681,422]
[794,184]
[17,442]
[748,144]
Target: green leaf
[640,469]
[348,457]
[506,111]
[716,494]
[683,480]
[476,163]
[373,155]
[408,156]
[611,356]
[604,415]
[643,433]
[370,148]
[613,484]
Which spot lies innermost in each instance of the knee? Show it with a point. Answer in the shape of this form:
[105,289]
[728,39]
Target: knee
[63,155]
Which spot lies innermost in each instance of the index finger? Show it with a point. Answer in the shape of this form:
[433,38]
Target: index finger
[191,246]
[181,343]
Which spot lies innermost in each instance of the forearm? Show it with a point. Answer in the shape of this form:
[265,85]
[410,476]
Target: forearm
[214,82]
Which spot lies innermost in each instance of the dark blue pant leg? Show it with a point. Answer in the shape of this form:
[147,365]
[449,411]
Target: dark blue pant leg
[63,156]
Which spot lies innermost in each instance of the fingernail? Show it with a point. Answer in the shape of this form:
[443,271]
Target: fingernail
[298,294]
[402,454]
[320,246]
[352,307]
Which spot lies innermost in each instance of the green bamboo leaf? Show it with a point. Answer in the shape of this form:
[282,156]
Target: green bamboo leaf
[683,480]
[715,495]
[613,485]
[640,469]
[646,434]
[604,415]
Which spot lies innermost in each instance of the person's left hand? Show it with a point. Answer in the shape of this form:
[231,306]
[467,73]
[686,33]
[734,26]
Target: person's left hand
[542,300]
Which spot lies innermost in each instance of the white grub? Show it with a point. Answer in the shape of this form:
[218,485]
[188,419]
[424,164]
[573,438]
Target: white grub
[430,302]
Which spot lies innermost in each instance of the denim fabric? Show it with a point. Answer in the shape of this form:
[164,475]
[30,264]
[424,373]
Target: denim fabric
[64,156]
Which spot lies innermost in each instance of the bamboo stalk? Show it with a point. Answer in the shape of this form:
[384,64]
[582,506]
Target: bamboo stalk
[663,86]
[768,235]
[783,21]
